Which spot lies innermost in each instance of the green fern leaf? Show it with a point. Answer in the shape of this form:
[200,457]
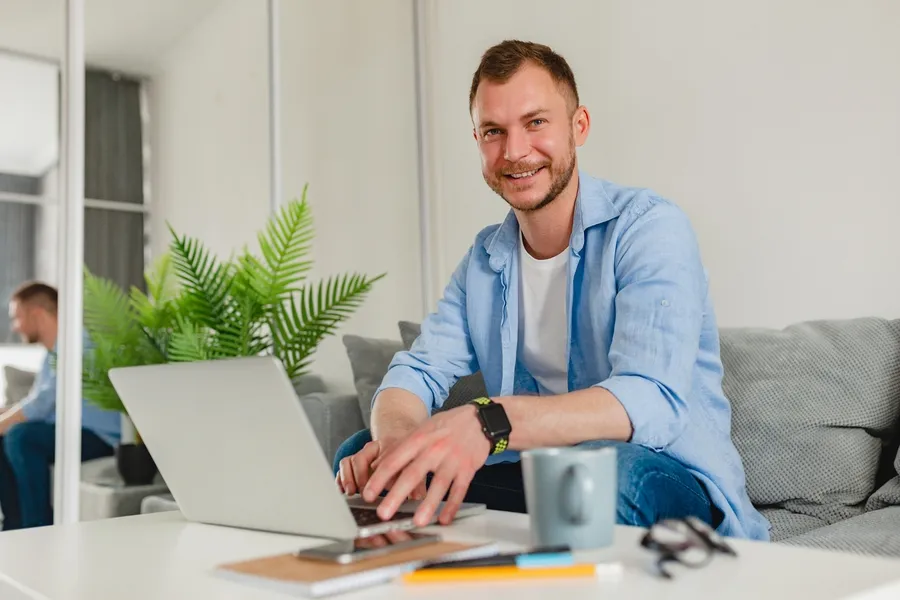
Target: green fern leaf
[190,342]
[299,326]
[284,244]
[107,310]
[206,282]
[162,287]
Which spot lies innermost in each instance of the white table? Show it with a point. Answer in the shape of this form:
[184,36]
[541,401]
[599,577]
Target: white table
[162,556]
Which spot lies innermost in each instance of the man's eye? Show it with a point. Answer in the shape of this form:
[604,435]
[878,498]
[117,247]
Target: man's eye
[538,122]
[491,132]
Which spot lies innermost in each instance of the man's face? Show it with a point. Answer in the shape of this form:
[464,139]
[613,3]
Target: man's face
[527,135]
[23,321]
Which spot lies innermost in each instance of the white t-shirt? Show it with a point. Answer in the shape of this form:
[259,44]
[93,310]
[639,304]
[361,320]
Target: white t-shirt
[543,330]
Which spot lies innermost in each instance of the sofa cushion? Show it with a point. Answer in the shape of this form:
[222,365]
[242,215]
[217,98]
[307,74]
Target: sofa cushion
[369,361]
[309,384]
[875,533]
[18,384]
[786,524]
[465,389]
[889,493]
[812,404]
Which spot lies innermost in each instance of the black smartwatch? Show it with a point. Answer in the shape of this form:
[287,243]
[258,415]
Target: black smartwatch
[494,423]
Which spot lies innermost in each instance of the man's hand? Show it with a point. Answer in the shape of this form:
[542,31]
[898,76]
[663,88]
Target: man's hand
[11,416]
[451,445]
[355,470]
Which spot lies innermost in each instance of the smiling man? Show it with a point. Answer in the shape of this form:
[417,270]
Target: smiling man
[588,313]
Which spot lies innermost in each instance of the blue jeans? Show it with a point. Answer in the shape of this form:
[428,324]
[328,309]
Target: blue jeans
[26,453]
[651,486]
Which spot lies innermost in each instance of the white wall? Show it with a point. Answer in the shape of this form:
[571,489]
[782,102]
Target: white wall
[208,104]
[348,130]
[775,125]
[29,119]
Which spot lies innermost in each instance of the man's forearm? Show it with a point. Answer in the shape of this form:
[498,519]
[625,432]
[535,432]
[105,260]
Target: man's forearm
[10,417]
[396,413]
[567,419]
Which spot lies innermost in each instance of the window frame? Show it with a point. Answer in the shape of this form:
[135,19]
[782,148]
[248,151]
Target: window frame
[51,201]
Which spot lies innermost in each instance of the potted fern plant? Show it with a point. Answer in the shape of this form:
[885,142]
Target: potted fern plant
[197,307]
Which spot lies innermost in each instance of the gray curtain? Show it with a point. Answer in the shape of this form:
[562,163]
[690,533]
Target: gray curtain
[18,222]
[20,184]
[114,246]
[114,241]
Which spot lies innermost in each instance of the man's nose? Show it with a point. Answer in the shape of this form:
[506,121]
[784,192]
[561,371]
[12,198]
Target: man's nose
[517,146]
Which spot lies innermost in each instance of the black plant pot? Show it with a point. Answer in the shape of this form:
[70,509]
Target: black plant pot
[135,464]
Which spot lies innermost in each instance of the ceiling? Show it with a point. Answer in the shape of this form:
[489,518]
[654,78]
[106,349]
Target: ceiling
[123,35]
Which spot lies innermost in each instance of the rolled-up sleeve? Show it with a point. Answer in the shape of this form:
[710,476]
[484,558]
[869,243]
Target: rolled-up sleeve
[659,316]
[40,402]
[443,351]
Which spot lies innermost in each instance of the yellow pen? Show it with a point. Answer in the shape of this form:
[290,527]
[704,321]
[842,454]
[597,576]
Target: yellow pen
[498,573]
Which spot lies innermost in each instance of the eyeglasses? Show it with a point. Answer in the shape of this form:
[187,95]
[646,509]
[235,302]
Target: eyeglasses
[688,541]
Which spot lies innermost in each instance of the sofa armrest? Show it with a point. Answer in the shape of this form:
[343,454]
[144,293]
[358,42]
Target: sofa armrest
[334,418]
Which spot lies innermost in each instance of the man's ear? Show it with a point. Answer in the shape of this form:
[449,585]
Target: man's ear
[581,125]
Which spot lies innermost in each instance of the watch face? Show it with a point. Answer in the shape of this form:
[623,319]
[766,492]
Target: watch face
[495,419]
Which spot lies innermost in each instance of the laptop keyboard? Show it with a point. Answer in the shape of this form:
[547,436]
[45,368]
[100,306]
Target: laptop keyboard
[367,516]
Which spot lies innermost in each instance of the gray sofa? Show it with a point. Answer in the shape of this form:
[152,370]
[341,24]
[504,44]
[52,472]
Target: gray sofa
[815,407]
[815,414]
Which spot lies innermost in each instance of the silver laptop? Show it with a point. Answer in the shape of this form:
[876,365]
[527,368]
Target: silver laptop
[235,447]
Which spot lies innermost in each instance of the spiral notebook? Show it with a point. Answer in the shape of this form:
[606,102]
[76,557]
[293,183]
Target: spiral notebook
[290,574]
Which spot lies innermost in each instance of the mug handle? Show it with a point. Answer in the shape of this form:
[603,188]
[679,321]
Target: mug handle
[576,493]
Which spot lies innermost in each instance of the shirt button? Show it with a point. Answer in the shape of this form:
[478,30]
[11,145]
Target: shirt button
[665,302]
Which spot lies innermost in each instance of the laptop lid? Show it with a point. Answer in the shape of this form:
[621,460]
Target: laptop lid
[234,445]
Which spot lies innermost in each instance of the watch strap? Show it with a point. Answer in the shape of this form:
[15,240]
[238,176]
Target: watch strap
[500,443]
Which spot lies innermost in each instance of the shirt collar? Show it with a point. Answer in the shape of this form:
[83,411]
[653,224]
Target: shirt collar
[592,207]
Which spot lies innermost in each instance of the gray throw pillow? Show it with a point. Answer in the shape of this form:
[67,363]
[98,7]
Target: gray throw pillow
[811,406]
[465,389]
[18,384]
[369,361]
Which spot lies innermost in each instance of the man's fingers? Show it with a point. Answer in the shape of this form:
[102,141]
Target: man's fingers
[409,479]
[457,495]
[419,492]
[346,475]
[440,483]
[354,470]
[359,464]
[393,462]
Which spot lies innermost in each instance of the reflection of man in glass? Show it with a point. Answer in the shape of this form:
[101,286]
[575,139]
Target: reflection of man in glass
[28,429]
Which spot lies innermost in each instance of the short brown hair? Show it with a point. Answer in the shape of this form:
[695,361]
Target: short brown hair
[37,293]
[500,62]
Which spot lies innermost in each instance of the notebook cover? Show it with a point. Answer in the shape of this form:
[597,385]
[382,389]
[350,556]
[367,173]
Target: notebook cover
[289,572]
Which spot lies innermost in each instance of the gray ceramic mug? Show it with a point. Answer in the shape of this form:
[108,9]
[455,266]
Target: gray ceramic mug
[571,496]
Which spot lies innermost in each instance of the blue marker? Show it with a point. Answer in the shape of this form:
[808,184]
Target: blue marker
[541,557]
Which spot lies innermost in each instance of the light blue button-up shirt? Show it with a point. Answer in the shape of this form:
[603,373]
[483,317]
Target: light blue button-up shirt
[641,325]
[40,404]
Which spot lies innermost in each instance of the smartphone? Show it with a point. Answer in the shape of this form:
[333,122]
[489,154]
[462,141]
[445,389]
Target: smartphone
[350,551]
